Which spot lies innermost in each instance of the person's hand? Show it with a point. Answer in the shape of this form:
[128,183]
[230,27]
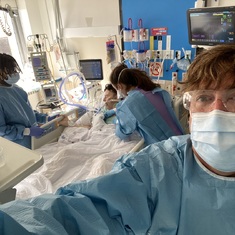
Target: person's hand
[109,113]
[64,121]
[49,118]
[36,131]
[40,117]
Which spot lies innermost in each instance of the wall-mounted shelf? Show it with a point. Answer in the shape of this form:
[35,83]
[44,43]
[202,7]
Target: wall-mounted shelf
[104,31]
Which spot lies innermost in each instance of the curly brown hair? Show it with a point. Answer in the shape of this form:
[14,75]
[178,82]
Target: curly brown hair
[210,68]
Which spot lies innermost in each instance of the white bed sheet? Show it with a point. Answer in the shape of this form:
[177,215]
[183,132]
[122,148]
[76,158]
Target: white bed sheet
[78,155]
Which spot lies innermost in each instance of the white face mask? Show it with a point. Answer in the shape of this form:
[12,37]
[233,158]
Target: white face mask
[213,137]
[120,95]
[14,78]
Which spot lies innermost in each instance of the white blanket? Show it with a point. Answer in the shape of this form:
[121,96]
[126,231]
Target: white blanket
[79,154]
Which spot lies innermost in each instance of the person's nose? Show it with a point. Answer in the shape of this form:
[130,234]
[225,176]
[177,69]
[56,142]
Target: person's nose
[218,104]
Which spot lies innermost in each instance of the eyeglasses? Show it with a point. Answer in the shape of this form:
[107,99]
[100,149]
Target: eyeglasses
[203,100]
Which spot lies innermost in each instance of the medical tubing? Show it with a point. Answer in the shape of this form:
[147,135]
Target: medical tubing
[71,104]
[162,66]
[83,85]
[60,91]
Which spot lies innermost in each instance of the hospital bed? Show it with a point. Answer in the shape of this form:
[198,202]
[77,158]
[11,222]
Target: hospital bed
[53,130]
[73,154]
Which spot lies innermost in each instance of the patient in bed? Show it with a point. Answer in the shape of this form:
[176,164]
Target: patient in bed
[107,111]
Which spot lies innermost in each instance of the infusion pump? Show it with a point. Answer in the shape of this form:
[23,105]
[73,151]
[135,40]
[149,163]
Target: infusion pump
[50,93]
[40,66]
[43,76]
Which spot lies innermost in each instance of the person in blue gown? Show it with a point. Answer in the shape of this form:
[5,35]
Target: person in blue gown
[17,118]
[146,108]
[184,185]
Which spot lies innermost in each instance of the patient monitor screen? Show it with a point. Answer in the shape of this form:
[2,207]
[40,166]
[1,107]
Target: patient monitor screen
[92,69]
[211,26]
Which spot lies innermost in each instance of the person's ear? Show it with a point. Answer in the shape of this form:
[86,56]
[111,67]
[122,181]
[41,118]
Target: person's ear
[119,86]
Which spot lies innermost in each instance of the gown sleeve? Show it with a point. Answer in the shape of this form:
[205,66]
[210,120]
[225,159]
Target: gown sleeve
[126,123]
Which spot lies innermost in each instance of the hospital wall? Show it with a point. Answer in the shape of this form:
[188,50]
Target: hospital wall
[89,24]
[85,27]
[168,15]
[171,17]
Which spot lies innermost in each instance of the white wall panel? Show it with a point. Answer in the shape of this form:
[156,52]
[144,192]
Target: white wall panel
[89,13]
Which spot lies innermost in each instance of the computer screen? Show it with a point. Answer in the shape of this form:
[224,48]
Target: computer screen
[92,69]
[211,26]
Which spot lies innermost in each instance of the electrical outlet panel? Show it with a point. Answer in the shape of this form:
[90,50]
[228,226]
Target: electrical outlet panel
[178,89]
[171,87]
[188,54]
[215,3]
[174,75]
[157,54]
[164,54]
[178,54]
[168,88]
[174,82]
[168,54]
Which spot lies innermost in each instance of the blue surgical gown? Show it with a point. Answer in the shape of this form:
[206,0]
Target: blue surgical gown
[162,189]
[137,113]
[15,115]
[111,119]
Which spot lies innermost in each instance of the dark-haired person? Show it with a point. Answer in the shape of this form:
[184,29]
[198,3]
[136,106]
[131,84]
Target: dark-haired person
[17,119]
[110,100]
[146,108]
